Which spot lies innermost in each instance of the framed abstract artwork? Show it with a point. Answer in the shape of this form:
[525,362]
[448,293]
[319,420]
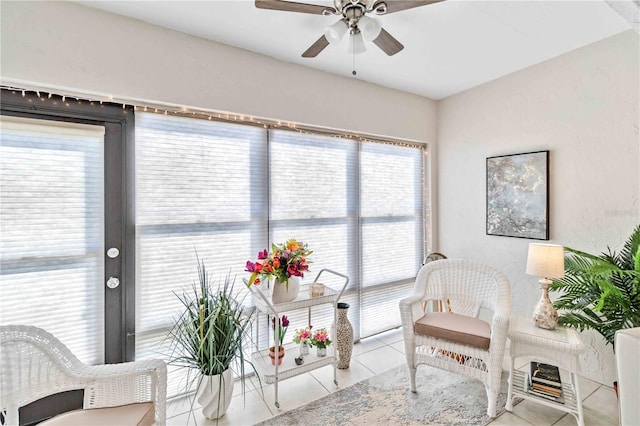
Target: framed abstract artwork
[518,195]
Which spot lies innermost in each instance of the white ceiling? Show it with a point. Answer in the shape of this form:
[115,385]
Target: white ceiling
[449,46]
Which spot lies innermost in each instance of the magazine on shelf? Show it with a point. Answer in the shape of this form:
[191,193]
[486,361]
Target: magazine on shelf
[545,374]
[551,390]
[558,399]
[528,388]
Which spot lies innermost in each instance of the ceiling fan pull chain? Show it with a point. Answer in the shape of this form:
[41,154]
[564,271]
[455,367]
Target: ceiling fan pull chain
[354,57]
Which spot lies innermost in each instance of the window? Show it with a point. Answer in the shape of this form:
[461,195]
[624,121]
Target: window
[200,188]
[227,190]
[391,230]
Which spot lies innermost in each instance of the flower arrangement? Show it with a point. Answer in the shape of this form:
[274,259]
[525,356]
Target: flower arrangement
[303,335]
[282,327]
[285,260]
[320,338]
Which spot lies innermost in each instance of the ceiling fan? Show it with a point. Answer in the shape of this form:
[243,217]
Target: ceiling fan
[354,19]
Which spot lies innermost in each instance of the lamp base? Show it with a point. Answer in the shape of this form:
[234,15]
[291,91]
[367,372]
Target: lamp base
[544,314]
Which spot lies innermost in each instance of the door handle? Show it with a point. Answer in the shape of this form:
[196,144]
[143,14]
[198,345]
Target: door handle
[113,282]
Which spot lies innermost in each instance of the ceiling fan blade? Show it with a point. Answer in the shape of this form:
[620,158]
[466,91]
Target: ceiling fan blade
[398,5]
[316,47]
[388,43]
[290,6]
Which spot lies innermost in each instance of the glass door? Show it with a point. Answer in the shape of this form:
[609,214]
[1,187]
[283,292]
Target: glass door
[52,225]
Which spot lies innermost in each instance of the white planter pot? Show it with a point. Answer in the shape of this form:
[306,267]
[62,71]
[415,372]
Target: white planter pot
[214,394]
[280,292]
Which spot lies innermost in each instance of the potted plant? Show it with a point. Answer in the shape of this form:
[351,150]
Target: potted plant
[208,338]
[601,292]
[283,325]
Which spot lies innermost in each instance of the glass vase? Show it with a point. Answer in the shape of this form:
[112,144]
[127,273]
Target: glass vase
[304,348]
[320,352]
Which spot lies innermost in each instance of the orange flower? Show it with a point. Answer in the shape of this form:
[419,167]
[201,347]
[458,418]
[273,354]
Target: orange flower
[293,245]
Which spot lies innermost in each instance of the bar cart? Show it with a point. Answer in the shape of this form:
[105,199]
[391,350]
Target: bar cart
[273,373]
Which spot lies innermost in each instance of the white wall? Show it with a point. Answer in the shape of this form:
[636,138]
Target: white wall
[71,46]
[584,108]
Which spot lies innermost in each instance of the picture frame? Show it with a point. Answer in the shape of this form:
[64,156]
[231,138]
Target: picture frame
[518,195]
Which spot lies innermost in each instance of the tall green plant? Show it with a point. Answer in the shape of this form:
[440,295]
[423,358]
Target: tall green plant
[601,292]
[213,328]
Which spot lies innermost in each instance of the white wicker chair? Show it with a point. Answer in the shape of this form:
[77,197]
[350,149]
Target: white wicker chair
[34,364]
[469,286]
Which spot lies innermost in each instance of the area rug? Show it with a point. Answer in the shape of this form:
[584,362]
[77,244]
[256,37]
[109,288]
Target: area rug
[443,398]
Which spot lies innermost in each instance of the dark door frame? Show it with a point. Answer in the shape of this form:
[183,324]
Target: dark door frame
[119,214]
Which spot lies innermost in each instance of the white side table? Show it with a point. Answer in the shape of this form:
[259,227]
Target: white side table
[560,347]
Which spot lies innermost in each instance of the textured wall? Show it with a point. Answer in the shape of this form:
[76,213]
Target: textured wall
[584,108]
[71,46]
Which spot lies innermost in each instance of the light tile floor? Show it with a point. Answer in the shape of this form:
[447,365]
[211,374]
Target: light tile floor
[599,402]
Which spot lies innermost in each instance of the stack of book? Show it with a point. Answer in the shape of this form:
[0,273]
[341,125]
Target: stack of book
[544,380]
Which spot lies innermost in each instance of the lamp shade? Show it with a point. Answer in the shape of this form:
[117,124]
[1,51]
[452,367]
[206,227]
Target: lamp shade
[545,260]
[369,27]
[335,32]
[356,44]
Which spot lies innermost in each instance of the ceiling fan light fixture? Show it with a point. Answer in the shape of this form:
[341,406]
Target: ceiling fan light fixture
[369,27]
[356,44]
[335,32]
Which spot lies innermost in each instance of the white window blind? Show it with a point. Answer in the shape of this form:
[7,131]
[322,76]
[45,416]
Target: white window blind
[200,186]
[52,231]
[314,199]
[392,230]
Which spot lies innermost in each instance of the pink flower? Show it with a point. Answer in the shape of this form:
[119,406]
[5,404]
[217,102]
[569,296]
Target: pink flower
[320,338]
[262,255]
[303,335]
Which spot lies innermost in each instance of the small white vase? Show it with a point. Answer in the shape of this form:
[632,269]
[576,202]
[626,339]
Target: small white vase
[304,348]
[280,292]
[214,394]
[320,352]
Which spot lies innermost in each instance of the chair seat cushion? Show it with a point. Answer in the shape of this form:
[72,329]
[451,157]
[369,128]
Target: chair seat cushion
[141,414]
[455,328]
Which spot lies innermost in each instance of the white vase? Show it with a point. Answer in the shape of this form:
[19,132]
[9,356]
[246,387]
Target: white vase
[280,292]
[214,394]
[320,352]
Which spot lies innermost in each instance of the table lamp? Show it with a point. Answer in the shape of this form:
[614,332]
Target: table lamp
[546,261]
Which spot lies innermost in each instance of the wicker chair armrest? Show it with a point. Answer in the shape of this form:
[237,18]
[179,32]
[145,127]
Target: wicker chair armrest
[499,332]
[126,383]
[411,310]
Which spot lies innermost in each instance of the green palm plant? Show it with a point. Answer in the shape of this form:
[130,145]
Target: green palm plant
[601,292]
